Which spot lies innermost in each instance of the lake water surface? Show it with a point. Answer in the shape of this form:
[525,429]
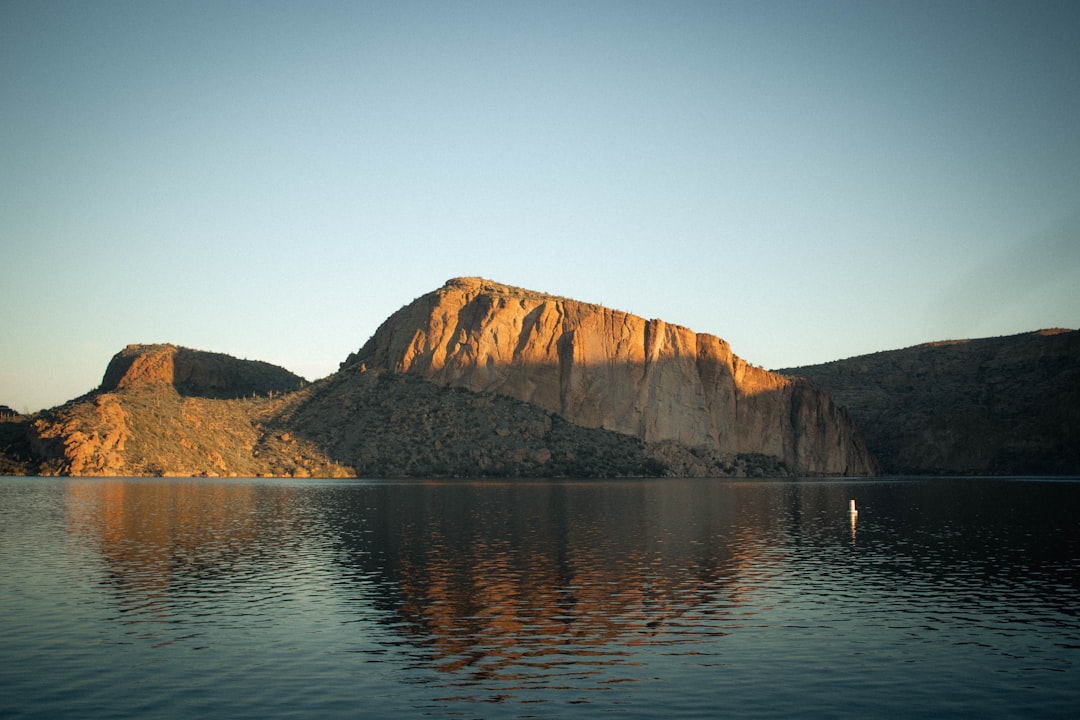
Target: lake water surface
[124,598]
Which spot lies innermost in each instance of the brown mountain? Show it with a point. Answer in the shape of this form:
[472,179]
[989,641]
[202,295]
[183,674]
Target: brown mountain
[356,422]
[1003,405]
[602,368]
[473,379]
[367,423]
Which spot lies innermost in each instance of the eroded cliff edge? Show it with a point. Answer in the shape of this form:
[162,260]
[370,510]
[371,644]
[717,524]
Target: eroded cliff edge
[603,368]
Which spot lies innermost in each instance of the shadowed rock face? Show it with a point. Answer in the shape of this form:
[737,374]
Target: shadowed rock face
[603,368]
[1005,405]
[195,372]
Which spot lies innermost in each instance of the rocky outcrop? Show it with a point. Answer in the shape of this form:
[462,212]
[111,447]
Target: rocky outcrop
[195,373]
[602,368]
[1004,405]
[88,439]
[367,423]
[168,410]
[473,379]
[152,430]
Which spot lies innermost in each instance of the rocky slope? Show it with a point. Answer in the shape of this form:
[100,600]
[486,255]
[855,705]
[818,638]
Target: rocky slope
[1005,405]
[161,410]
[385,424]
[152,417]
[601,368]
[481,379]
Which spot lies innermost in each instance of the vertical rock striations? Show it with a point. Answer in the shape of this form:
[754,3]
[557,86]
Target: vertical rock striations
[603,368]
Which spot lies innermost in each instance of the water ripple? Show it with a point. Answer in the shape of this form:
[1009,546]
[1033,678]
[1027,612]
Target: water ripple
[687,599]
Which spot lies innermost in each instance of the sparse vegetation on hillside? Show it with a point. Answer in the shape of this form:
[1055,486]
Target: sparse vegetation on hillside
[999,405]
[1006,405]
[391,425]
[357,422]
[154,431]
[16,455]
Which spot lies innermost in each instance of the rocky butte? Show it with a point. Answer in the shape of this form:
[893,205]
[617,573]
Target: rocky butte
[478,379]
[474,379]
[195,373]
[602,368]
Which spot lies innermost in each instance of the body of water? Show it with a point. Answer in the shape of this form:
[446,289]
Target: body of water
[127,598]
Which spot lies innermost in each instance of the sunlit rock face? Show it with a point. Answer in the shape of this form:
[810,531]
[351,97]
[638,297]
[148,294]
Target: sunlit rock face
[599,367]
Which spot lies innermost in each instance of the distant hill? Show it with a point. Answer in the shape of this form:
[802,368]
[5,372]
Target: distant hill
[1002,405]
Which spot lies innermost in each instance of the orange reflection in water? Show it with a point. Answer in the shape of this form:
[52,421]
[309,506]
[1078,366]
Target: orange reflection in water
[508,598]
[513,581]
[150,532]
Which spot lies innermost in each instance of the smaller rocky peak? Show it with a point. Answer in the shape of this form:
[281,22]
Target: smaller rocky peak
[195,373]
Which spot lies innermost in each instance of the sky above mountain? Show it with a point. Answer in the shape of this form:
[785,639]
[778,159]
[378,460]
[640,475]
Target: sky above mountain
[807,180]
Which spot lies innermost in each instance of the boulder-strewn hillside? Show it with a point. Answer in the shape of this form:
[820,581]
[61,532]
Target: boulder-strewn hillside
[162,410]
[601,368]
[393,424]
[1004,405]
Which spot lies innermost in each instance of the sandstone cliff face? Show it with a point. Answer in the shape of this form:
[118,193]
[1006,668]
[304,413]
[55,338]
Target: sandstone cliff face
[603,368]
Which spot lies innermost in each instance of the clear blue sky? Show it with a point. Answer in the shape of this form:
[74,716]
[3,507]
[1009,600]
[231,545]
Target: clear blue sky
[808,180]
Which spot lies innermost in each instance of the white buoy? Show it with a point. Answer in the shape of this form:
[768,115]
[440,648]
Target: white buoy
[853,516]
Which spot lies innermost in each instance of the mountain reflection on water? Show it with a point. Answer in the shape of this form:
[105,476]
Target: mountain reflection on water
[600,571]
[486,588]
[680,597]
